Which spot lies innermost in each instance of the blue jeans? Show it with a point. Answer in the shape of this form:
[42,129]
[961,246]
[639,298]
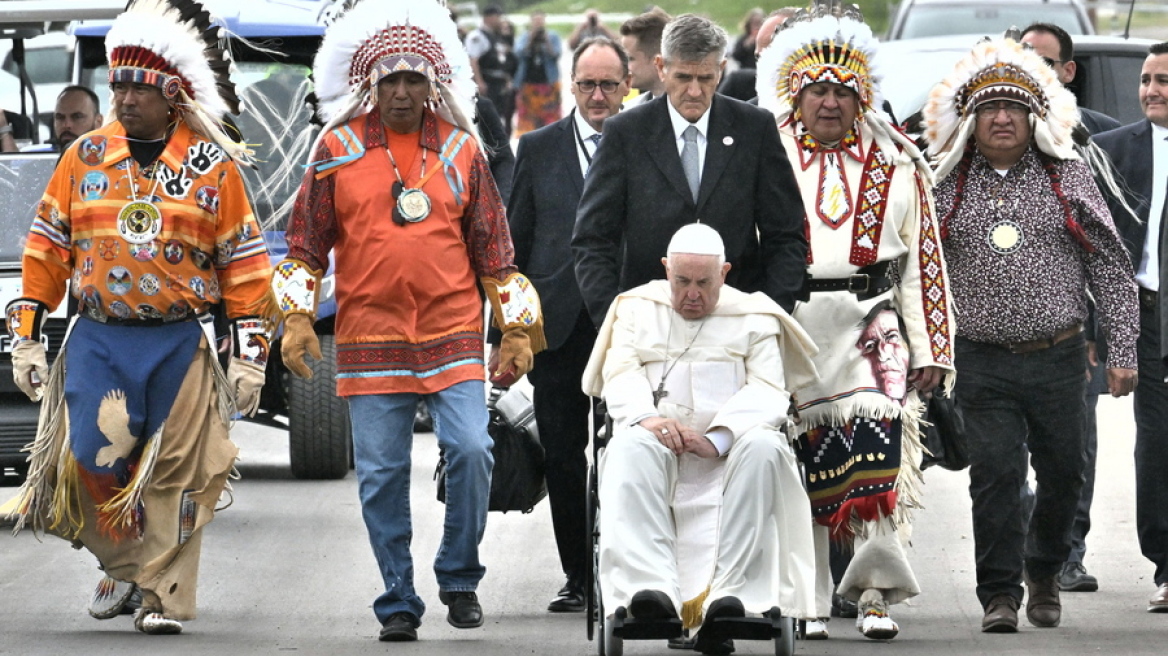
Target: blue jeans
[383,430]
[1014,403]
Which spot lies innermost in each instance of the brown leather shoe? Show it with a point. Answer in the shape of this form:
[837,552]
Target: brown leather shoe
[1001,615]
[1159,601]
[1043,607]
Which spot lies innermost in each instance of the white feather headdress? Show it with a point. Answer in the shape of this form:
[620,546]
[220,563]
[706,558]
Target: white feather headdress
[375,38]
[173,45]
[1001,69]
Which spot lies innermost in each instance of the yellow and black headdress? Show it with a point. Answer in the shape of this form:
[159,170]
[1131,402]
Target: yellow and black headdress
[826,42]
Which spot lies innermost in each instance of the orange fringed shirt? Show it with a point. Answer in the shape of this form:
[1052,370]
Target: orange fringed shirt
[209,248]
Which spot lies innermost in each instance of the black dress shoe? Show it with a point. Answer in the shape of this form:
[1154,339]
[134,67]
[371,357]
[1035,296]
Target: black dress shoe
[651,605]
[570,599]
[464,609]
[710,640]
[400,627]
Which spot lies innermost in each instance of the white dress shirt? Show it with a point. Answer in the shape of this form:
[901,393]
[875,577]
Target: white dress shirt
[680,124]
[586,151]
[1148,273]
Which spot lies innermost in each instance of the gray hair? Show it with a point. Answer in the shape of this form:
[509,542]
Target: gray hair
[691,38]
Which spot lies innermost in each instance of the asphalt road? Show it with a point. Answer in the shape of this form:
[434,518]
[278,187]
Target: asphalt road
[287,569]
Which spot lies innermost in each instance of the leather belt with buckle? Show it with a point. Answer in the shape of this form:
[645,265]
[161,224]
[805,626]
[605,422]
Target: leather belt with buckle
[1148,298]
[1045,343]
[868,282]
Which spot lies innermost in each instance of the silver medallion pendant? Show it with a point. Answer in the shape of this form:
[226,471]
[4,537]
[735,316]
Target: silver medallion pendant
[1005,237]
[413,205]
[139,222]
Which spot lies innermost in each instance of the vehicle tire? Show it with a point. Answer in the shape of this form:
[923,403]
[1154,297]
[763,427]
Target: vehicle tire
[319,440]
[785,642]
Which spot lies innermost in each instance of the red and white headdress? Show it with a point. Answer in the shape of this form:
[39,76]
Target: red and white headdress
[376,38]
[1001,69]
[173,45]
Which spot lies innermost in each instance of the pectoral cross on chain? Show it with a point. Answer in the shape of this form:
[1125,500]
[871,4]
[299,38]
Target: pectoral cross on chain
[659,393]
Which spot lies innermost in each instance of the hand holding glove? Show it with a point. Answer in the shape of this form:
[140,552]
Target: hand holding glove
[299,338]
[515,358]
[245,379]
[28,360]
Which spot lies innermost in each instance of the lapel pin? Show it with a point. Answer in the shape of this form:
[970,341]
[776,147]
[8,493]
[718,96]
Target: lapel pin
[728,141]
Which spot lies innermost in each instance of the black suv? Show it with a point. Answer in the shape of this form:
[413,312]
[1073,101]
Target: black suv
[1107,80]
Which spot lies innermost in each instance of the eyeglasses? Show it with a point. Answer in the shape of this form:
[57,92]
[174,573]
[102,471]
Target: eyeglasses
[1051,62]
[589,86]
[1012,109]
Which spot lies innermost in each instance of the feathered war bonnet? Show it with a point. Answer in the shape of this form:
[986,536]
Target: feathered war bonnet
[829,42]
[1001,69]
[826,42]
[377,38]
[173,45]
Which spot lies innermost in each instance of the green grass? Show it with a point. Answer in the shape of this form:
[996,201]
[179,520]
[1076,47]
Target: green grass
[727,13]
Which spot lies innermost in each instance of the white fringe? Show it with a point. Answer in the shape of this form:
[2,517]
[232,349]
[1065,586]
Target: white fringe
[45,452]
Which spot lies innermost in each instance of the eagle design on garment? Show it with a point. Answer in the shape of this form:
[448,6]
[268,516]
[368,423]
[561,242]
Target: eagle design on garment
[114,422]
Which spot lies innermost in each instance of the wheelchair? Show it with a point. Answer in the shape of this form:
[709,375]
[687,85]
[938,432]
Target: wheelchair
[610,628]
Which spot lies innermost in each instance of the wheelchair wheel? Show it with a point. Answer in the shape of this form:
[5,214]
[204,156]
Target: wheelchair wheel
[592,572]
[785,642]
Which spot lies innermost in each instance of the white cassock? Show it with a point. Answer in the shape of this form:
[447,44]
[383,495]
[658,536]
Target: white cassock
[701,529]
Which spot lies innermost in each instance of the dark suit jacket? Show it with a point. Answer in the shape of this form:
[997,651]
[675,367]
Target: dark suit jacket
[1130,149]
[1097,122]
[739,84]
[636,197]
[542,212]
[499,154]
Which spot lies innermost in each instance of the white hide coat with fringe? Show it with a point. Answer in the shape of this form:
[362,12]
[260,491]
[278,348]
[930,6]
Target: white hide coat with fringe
[846,387]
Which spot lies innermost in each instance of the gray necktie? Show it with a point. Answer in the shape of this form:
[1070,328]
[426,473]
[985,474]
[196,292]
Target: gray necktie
[689,160]
[595,140]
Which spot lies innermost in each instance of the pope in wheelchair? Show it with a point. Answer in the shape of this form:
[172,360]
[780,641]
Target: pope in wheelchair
[702,513]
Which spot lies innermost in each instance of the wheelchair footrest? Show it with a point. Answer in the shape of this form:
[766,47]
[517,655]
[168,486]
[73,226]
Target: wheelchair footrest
[631,628]
[766,627]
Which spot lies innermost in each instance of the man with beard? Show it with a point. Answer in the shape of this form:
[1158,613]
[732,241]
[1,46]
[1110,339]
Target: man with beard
[78,111]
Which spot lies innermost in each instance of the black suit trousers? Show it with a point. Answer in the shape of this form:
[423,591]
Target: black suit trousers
[561,412]
[1151,411]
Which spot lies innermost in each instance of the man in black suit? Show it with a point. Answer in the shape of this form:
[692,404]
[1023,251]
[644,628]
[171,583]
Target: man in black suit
[690,156]
[1140,154]
[549,176]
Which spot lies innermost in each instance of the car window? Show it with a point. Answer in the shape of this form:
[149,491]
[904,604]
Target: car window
[275,120]
[980,18]
[44,65]
[22,182]
[1123,74]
